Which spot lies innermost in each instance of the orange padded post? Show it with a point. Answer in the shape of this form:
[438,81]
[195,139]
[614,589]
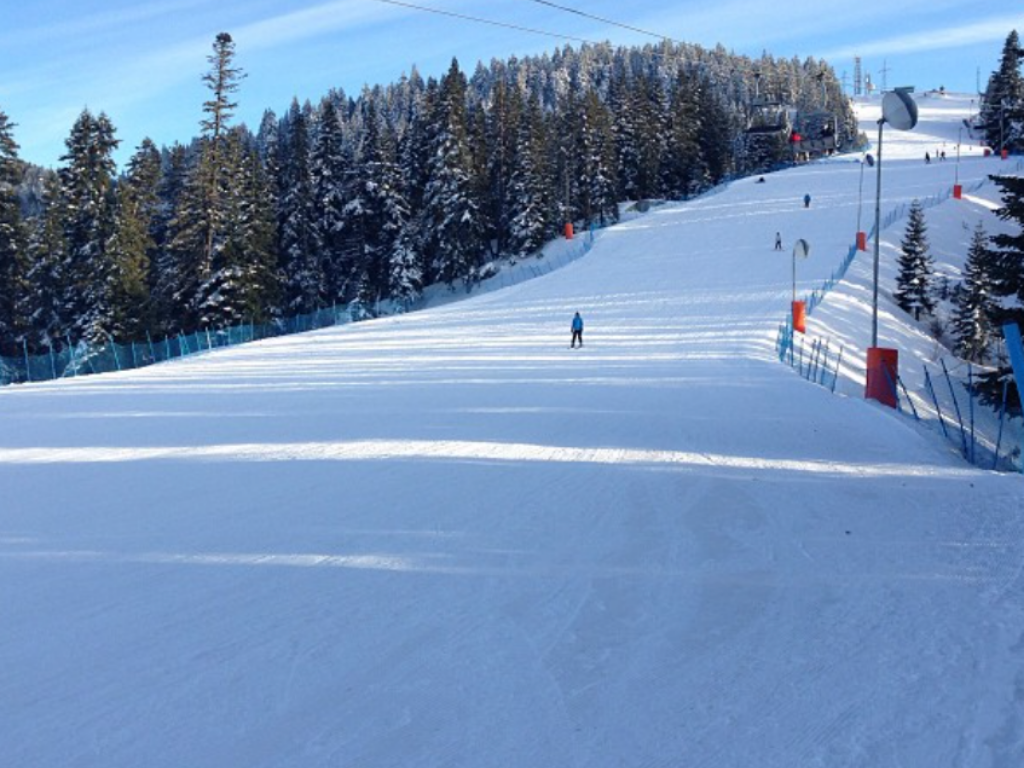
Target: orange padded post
[799,316]
[883,373]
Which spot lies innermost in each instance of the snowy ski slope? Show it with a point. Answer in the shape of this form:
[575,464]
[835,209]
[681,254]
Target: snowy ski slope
[445,539]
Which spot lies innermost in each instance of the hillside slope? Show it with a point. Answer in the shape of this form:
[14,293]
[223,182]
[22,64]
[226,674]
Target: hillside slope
[446,539]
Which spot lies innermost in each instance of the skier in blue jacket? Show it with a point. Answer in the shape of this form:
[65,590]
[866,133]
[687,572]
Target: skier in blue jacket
[577,331]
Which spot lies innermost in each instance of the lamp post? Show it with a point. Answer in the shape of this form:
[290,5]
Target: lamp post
[900,111]
[1002,111]
[801,250]
[1002,120]
[862,238]
[957,189]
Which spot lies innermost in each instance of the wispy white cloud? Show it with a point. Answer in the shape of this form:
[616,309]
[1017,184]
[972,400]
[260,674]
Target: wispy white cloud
[153,71]
[985,31]
[82,26]
[310,22]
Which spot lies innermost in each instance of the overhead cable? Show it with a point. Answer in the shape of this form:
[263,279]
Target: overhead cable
[491,22]
[604,20]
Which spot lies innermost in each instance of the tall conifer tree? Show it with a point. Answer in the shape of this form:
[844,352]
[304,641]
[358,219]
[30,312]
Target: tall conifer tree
[1002,106]
[972,322]
[303,271]
[87,192]
[452,213]
[914,280]
[13,243]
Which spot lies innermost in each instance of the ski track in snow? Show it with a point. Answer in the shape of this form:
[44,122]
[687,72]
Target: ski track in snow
[443,539]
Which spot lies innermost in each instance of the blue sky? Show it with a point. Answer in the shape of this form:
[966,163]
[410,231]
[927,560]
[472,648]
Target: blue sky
[141,63]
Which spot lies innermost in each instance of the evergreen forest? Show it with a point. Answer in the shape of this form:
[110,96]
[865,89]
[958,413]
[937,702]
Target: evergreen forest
[366,199]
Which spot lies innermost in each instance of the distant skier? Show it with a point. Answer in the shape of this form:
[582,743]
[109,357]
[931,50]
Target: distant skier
[577,331]
[927,158]
[807,201]
[778,241]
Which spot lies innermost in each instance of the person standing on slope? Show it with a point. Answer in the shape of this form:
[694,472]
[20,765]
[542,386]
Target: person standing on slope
[577,331]
[807,201]
[778,241]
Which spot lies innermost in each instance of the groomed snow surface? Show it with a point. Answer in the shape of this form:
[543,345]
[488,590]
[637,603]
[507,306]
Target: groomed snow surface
[446,539]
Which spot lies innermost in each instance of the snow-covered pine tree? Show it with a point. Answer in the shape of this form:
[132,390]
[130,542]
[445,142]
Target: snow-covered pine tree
[127,291]
[499,145]
[488,199]
[1007,251]
[262,288]
[87,192]
[597,179]
[196,230]
[648,106]
[528,206]
[305,287]
[719,132]
[914,281]
[684,171]
[404,278]
[972,320]
[451,210]
[138,221]
[624,130]
[565,157]
[1002,106]
[47,249]
[364,215]
[330,168]
[222,80]
[185,266]
[164,278]
[413,165]
[241,283]
[144,175]
[13,243]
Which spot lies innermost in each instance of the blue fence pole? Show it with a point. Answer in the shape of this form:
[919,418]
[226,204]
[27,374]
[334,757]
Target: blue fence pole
[1002,415]
[113,348]
[71,352]
[906,395]
[892,387]
[935,399]
[835,377]
[970,403]
[956,405]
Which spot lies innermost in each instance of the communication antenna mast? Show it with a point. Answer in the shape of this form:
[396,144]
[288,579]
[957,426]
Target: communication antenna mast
[884,72]
[857,77]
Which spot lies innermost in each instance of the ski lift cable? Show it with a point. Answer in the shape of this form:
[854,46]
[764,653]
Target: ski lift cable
[531,30]
[605,21]
[492,22]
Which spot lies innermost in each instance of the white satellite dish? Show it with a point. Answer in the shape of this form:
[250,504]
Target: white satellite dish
[899,110]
